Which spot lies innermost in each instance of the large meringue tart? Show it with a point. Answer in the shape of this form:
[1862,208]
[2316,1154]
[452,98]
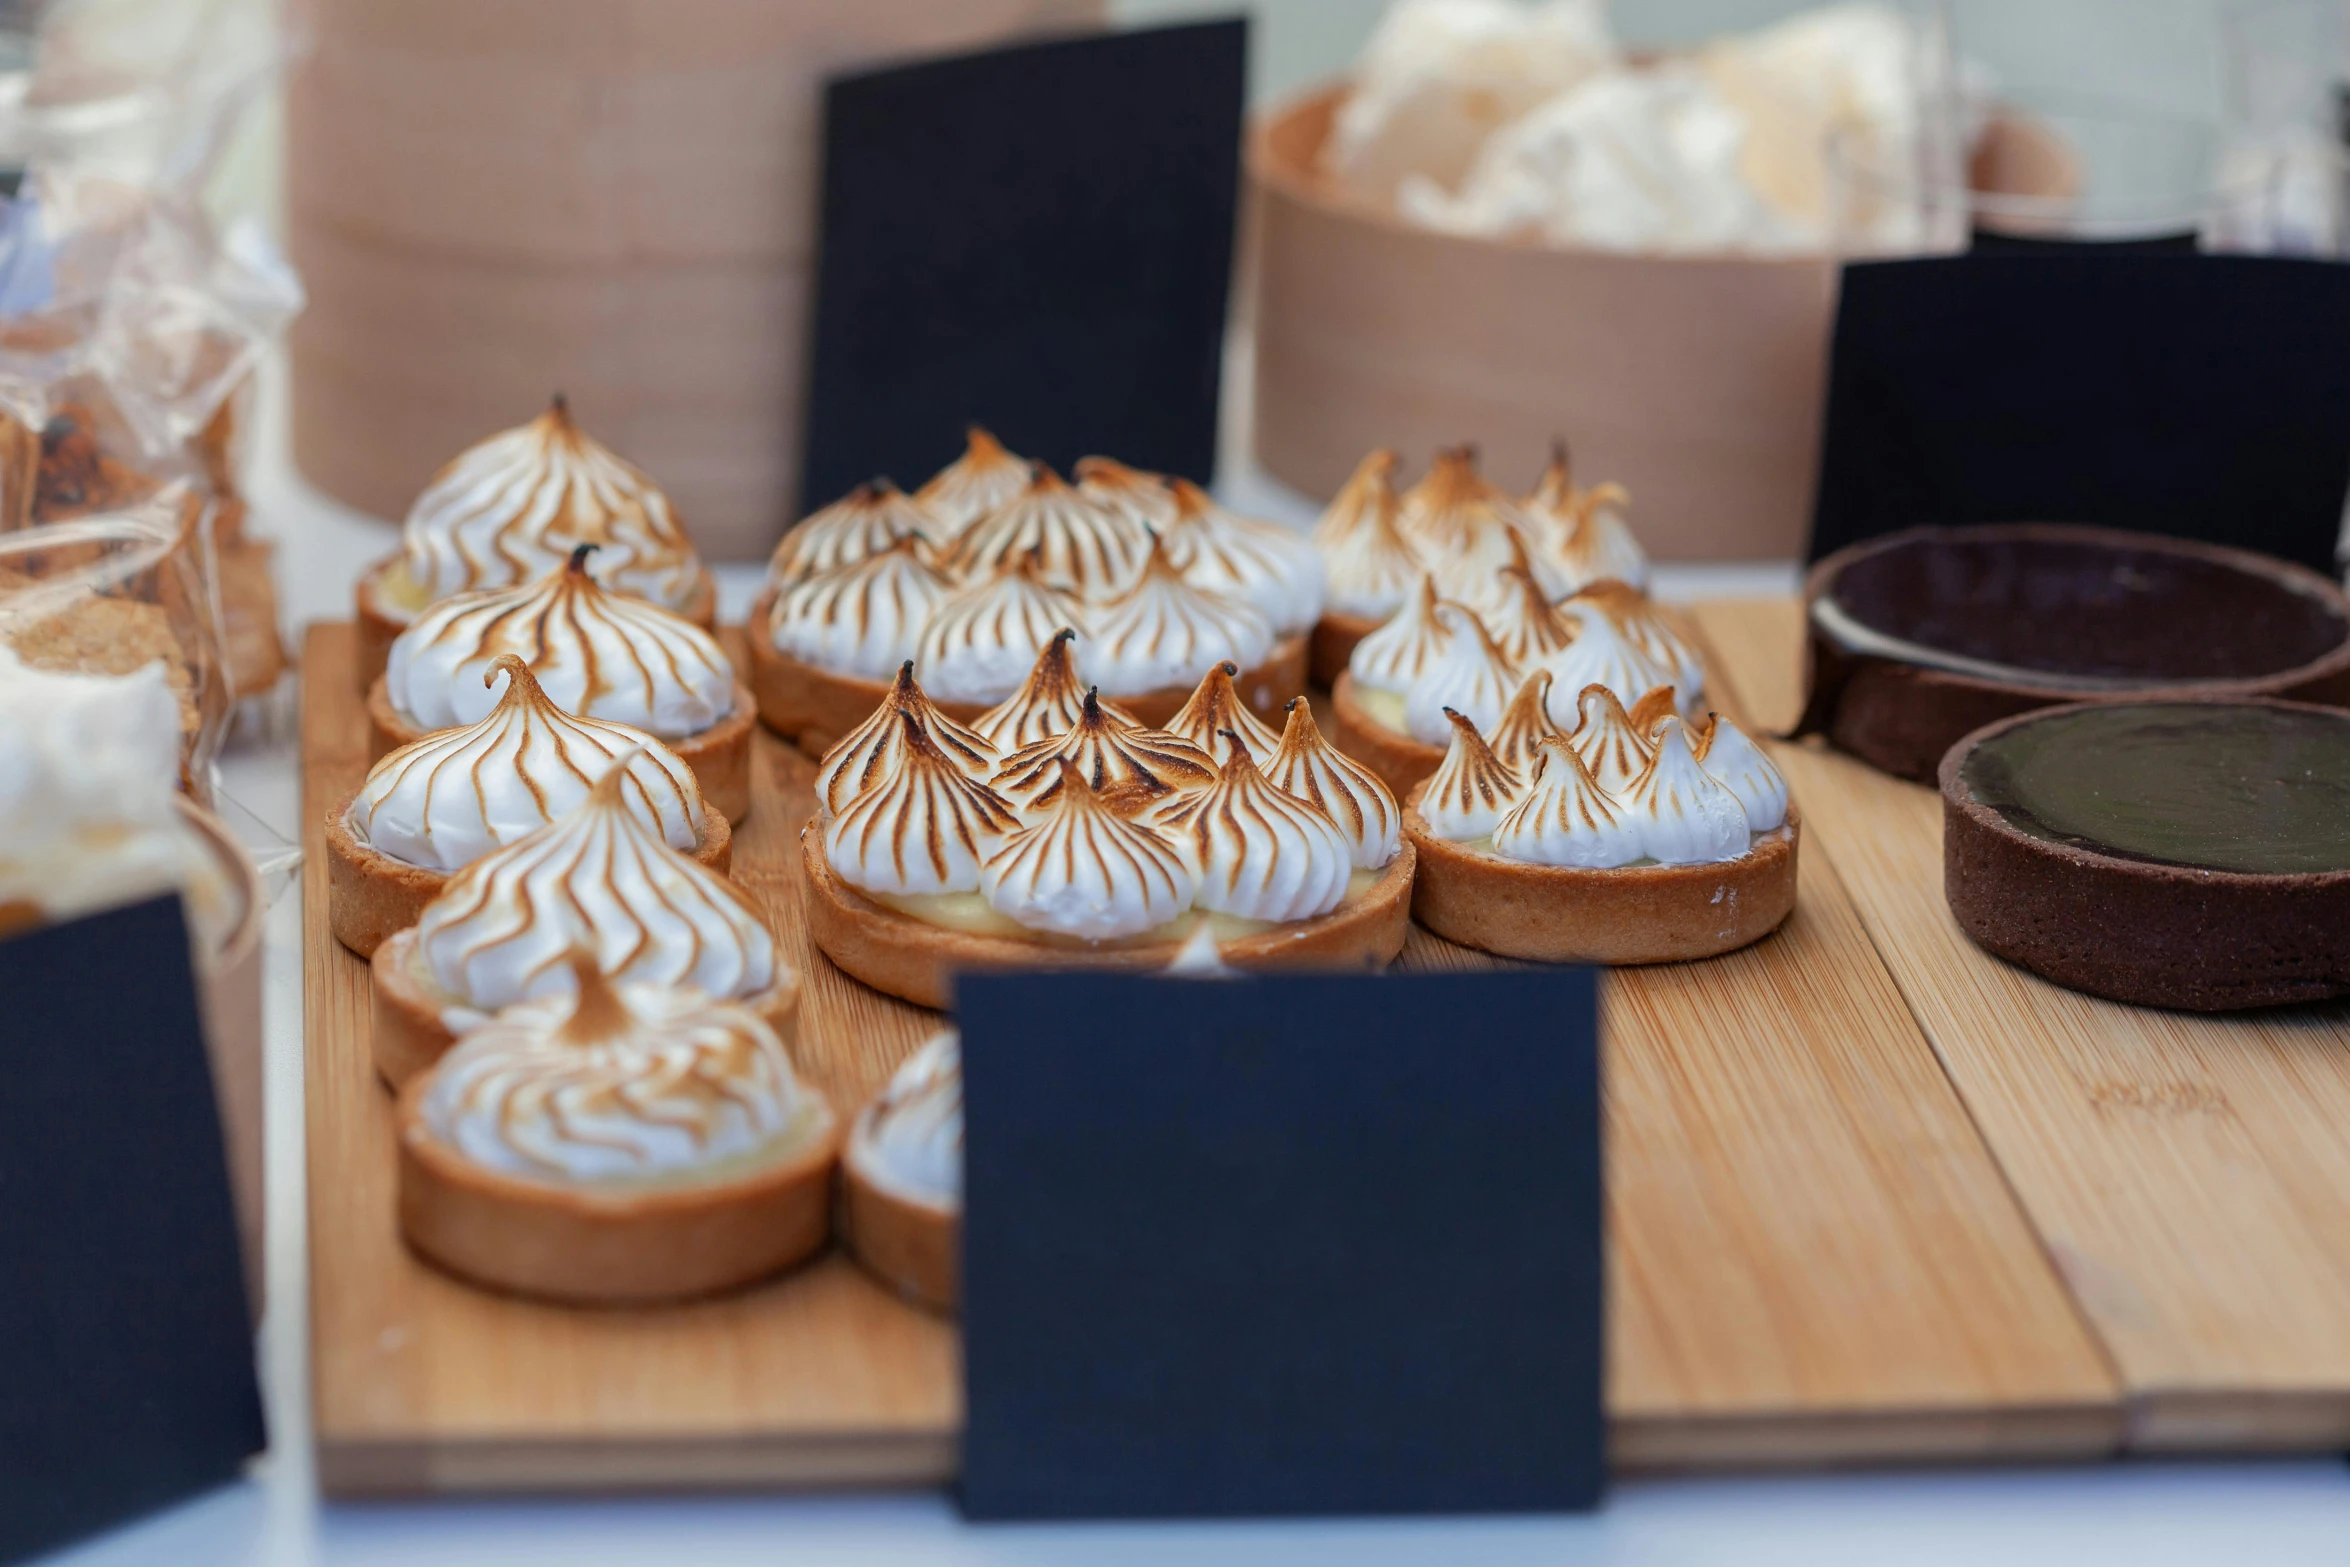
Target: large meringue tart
[434,806]
[1606,844]
[615,1144]
[1102,845]
[596,653]
[509,510]
[902,1177]
[600,879]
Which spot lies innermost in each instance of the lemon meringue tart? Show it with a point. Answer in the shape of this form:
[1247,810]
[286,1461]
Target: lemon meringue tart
[619,1143]
[594,652]
[902,1177]
[510,509]
[599,879]
[1606,846]
[1102,845]
[436,805]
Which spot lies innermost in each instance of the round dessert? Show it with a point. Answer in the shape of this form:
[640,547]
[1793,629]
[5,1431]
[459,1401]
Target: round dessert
[1603,845]
[510,510]
[2175,853]
[435,806]
[1918,638]
[601,880]
[902,1186]
[1104,844]
[616,1144]
[596,653]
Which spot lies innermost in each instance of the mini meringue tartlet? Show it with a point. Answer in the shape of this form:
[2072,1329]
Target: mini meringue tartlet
[595,652]
[614,1144]
[434,806]
[1621,838]
[511,509]
[902,1177]
[1046,835]
[601,880]
[974,573]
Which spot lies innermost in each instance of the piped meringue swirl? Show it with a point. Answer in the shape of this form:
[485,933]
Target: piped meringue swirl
[1256,851]
[869,519]
[908,1140]
[1636,618]
[923,827]
[1165,632]
[1565,818]
[863,617]
[1526,626]
[864,755]
[1472,678]
[1082,870]
[1274,571]
[974,484]
[1583,530]
[1739,765]
[1683,816]
[1463,525]
[1409,644]
[1125,766]
[1049,702]
[1525,724]
[1215,716]
[1343,789]
[1081,547]
[981,643]
[1471,789]
[1611,745]
[1369,567]
[1144,496]
[1600,655]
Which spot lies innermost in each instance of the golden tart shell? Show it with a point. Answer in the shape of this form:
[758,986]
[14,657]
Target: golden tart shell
[1401,762]
[911,1246]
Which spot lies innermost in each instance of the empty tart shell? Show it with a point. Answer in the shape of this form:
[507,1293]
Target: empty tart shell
[914,1247]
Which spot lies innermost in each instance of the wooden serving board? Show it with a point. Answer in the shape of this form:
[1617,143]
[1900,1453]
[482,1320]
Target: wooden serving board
[1814,1257]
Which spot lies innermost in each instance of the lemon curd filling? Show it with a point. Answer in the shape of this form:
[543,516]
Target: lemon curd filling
[397,590]
[972,914]
[1385,708]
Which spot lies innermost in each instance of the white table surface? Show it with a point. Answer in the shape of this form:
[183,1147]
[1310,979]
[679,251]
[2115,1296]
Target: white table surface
[2153,1514]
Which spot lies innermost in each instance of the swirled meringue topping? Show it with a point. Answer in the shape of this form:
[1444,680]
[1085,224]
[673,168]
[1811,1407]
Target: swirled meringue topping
[909,1140]
[1081,546]
[1682,815]
[1342,788]
[1257,852]
[1525,724]
[862,618]
[1525,625]
[1565,818]
[1125,766]
[1739,765]
[1274,571]
[1600,655]
[863,756]
[1083,870]
[444,801]
[1049,702]
[621,1085]
[1657,704]
[1583,531]
[510,509]
[1635,615]
[974,484]
[866,521]
[1471,789]
[1369,567]
[1473,678]
[923,826]
[1399,655]
[1616,749]
[981,643]
[595,653]
[597,879]
[1462,524]
[1164,632]
[1216,716]
[1141,495]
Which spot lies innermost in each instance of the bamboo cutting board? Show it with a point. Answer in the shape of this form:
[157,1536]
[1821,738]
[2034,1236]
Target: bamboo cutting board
[1813,1256]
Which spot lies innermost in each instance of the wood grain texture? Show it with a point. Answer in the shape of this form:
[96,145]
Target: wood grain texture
[2189,1175]
[1812,1257]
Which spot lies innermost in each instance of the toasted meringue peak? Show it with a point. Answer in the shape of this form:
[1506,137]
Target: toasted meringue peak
[599,879]
[1143,496]
[1683,816]
[1257,852]
[1554,493]
[1472,678]
[1471,789]
[1124,764]
[864,617]
[620,1084]
[1081,546]
[1740,766]
[981,643]
[1346,791]
[1399,655]
[1526,626]
[1275,571]
[864,755]
[1656,704]
[1600,655]
[1566,818]
[1462,524]
[1525,724]
[922,826]
[974,484]
[1083,870]
[444,801]
[1216,711]
[1199,958]
[909,1139]
[511,509]
[1635,614]
[1616,749]
[1600,545]
[1369,567]
[869,519]
[1163,632]
[1049,702]
[596,653]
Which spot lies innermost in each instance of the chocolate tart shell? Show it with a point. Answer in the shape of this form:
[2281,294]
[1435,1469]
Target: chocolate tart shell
[2156,935]
[2250,624]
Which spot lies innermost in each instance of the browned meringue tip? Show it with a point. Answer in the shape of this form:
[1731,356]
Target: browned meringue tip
[596,1010]
[1610,704]
[980,442]
[577,565]
[1609,493]
[1654,706]
[904,685]
[559,409]
[513,665]
[1702,730]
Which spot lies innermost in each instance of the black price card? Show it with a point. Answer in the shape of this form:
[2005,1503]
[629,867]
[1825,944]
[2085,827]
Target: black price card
[1297,1245]
[126,1354]
[1036,239]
